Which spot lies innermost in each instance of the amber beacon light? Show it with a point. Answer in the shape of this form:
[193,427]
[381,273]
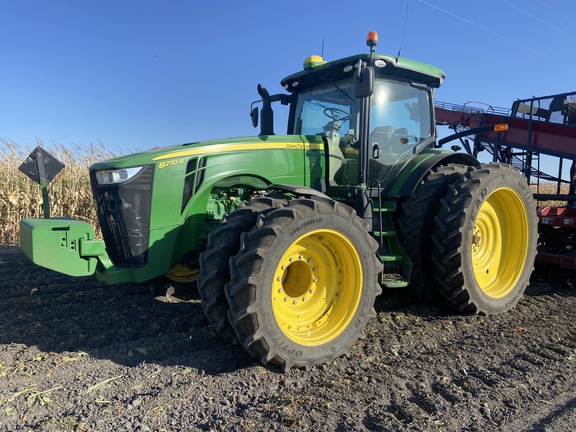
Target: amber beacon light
[372,39]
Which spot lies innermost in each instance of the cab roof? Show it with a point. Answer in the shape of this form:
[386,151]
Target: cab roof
[385,65]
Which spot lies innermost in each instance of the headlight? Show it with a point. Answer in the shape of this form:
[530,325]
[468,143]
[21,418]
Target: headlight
[121,175]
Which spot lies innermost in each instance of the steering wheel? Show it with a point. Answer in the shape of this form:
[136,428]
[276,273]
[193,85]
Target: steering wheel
[332,114]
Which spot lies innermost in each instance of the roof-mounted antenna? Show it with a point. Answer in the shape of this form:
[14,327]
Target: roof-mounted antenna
[322,46]
[404,31]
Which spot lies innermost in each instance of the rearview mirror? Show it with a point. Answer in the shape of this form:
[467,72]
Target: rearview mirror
[363,80]
[254,116]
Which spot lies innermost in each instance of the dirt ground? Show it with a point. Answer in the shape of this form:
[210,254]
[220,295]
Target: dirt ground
[76,355]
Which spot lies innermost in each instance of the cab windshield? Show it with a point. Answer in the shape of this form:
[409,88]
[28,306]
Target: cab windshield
[400,118]
[321,105]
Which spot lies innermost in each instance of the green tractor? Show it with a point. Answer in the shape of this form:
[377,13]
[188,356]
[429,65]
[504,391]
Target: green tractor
[290,238]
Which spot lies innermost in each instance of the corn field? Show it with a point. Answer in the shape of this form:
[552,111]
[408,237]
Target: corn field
[69,194]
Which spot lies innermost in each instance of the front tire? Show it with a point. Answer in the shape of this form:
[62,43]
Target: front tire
[485,240]
[304,284]
[223,243]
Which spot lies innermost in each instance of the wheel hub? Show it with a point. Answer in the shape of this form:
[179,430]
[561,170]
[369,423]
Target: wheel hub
[476,239]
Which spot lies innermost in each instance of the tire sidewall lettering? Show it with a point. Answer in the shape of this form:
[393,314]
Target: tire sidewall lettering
[303,227]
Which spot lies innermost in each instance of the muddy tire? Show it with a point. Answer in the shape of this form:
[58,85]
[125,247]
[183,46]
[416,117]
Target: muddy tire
[304,284]
[485,240]
[223,243]
[416,225]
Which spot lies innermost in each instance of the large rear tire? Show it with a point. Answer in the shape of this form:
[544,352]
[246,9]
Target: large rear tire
[485,240]
[416,225]
[223,243]
[304,284]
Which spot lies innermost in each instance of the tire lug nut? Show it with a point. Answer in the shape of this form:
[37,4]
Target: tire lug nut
[295,302]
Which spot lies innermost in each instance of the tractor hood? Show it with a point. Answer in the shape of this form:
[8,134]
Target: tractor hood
[178,151]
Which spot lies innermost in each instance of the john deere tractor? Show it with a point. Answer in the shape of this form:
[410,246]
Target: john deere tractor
[291,237]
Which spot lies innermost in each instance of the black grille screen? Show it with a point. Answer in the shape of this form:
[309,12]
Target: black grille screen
[124,216]
[188,182]
[194,178]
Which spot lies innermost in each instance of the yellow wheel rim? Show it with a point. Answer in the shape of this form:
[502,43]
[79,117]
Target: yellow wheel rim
[317,287]
[182,274]
[500,242]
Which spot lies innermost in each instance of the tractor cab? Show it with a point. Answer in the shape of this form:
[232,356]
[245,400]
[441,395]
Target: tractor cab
[373,111]
[399,117]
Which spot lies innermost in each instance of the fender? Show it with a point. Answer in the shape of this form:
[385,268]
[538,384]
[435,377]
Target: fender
[296,190]
[408,187]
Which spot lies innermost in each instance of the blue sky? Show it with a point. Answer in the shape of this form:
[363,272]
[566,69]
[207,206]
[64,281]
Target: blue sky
[140,74]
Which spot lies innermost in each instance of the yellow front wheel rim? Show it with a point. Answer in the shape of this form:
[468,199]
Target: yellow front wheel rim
[317,287]
[183,274]
[500,242]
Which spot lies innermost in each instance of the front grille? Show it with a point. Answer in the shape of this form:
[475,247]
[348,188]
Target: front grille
[124,216]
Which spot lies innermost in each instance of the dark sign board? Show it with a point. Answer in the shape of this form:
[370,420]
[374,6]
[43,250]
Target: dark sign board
[41,166]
